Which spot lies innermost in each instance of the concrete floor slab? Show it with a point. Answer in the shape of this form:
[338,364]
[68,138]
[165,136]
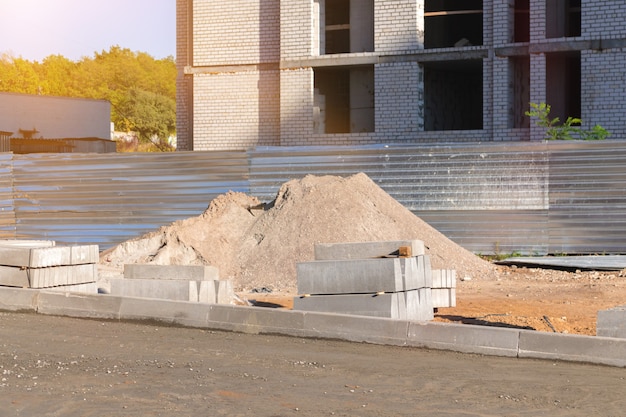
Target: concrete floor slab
[182,272]
[365,250]
[612,322]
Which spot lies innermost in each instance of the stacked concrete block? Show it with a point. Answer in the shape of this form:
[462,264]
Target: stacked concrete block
[43,265]
[381,279]
[444,288]
[199,284]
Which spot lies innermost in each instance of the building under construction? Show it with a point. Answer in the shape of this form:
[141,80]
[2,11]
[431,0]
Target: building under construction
[357,72]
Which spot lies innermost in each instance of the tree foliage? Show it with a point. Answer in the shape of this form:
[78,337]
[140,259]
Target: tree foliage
[141,89]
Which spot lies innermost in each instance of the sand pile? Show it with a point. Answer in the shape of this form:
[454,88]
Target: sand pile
[260,248]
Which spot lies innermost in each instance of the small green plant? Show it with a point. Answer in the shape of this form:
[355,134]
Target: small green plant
[568,130]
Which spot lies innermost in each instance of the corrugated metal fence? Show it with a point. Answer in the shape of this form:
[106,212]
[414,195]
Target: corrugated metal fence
[532,198]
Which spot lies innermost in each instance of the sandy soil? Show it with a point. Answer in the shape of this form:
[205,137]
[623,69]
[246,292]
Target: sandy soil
[257,245]
[56,366]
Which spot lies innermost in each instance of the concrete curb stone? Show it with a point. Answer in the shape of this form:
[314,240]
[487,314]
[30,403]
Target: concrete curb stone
[78,305]
[464,338]
[573,348]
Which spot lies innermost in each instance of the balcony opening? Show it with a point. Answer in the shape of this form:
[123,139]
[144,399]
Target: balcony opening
[453,95]
[346,26]
[562,18]
[344,100]
[453,23]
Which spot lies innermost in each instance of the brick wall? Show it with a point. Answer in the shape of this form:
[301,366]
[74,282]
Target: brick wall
[236,110]
[296,29]
[184,85]
[603,90]
[236,32]
[602,19]
[396,25]
[399,100]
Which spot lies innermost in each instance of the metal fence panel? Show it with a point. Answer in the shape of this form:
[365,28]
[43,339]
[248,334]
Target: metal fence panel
[108,198]
[588,197]
[531,198]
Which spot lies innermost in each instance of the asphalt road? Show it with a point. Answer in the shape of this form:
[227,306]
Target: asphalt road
[54,366]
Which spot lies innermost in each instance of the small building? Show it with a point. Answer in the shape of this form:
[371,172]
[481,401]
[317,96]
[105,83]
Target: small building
[35,124]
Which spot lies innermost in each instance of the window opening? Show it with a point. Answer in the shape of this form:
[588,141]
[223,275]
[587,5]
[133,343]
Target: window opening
[346,26]
[453,95]
[453,23]
[521,21]
[562,18]
[563,79]
[344,100]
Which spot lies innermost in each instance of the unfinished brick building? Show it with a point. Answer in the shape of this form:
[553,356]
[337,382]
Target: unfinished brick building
[355,72]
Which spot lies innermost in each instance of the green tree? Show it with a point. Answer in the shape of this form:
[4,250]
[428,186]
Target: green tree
[151,115]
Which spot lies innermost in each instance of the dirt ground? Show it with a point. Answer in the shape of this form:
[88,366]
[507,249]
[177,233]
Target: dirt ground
[258,245]
[536,299]
[58,366]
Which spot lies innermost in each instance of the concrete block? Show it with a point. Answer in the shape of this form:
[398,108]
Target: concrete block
[443,297]
[391,305]
[356,328]
[256,320]
[47,277]
[163,289]
[78,305]
[363,275]
[17,299]
[27,243]
[183,313]
[88,288]
[84,254]
[224,292]
[612,322]
[575,348]
[207,292]
[43,257]
[464,338]
[182,272]
[419,305]
[444,278]
[365,250]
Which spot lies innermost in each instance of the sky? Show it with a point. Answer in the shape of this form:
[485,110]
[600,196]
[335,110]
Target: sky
[35,29]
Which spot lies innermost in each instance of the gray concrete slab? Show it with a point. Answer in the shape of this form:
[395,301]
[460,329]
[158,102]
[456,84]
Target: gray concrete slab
[591,262]
[164,289]
[53,276]
[171,272]
[18,299]
[612,322]
[392,305]
[224,292]
[88,288]
[365,250]
[443,297]
[419,305]
[183,313]
[207,292]
[444,278]
[256,320]
[43,257]
[355,328]
[27,243]
[464,338]
[575,348]
[363,275]
[78,305]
